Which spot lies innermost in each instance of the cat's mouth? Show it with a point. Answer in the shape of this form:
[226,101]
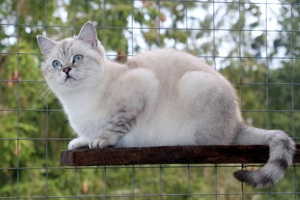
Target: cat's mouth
[68,78]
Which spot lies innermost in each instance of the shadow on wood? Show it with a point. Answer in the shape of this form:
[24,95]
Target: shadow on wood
[169,155]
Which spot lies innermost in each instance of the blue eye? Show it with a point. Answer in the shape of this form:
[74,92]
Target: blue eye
[77,58]
[56,64]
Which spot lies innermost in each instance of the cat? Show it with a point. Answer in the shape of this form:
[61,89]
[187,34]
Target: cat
[161,97]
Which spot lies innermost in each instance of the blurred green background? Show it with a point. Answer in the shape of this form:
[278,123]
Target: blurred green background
[254,44]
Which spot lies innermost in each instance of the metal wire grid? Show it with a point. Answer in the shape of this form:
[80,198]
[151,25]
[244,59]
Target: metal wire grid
[159,171]
[161,191]
[211,191]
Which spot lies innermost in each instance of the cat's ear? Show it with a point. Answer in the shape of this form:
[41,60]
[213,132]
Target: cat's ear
[88,34]
[46,44]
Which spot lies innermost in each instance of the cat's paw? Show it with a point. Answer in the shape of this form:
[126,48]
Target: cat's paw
[99,143]
[77,143]
[103,142]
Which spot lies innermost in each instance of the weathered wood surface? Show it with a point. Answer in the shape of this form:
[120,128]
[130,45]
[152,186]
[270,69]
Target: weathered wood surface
[169,155]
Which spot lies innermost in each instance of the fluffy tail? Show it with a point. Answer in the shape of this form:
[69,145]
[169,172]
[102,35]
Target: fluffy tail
[282,149]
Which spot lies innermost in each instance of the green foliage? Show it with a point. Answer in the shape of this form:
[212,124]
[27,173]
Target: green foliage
[34,129]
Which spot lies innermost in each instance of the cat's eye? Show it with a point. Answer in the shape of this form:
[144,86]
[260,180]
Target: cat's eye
[56,64]
[77,58]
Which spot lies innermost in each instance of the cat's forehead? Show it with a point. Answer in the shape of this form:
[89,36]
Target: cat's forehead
[68,46]
[65,44]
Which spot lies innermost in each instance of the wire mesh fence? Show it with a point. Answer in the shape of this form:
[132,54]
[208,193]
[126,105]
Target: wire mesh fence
[253,43]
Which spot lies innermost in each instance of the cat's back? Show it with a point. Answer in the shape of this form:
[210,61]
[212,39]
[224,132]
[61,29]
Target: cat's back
[168,59]
[172,67]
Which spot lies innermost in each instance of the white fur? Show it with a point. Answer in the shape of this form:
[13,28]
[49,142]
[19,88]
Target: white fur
[161,97]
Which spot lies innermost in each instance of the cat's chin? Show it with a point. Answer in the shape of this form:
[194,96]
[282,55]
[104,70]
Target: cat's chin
[70,81]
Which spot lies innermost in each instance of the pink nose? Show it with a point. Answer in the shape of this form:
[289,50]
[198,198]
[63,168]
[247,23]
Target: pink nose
[67,70]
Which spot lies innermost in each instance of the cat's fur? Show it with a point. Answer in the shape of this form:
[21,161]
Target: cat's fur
[161,97]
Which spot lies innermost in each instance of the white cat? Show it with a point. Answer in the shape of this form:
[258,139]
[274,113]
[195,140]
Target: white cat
[158,98]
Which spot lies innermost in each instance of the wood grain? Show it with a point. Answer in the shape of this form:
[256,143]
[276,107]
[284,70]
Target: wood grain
[169,155]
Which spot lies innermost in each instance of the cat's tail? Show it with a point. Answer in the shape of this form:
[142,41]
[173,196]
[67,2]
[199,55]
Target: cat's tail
[282,149]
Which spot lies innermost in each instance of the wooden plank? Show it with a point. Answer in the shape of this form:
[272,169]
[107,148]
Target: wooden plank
[169,155]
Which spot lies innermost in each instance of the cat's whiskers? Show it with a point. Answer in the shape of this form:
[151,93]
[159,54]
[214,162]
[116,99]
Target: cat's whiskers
[77,78]
[44,90]
[40,92]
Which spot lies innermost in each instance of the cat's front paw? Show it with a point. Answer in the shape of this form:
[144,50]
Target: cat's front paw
[99,143]
[104,141]
[77,143]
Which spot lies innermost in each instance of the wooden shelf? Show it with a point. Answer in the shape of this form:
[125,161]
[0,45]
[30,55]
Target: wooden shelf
[169,155]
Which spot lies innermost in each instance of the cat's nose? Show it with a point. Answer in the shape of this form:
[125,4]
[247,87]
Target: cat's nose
[67,70]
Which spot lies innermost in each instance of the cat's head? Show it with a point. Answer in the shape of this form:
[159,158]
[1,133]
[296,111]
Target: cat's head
[73,63]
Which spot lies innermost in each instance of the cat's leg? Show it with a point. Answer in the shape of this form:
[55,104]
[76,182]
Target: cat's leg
[115,129]
[78,143]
